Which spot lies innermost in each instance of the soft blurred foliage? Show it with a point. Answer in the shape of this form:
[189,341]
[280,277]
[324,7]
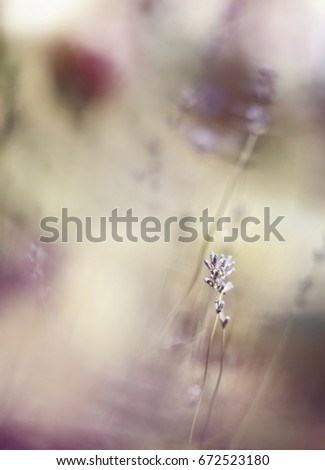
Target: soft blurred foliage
[168,107]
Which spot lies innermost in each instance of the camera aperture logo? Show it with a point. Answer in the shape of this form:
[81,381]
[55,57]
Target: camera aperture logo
[119,227]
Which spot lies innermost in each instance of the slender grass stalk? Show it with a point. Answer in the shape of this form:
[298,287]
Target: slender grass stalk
[198,406]
[216,388]
[248,149]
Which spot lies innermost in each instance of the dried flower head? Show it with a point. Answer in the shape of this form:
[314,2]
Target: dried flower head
[220,267]
[224,321]
[219,304]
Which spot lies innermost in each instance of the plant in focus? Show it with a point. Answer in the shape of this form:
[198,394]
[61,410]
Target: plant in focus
[220,268]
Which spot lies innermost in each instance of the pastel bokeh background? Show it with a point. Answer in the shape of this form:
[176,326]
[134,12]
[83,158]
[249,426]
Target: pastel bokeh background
[149,104]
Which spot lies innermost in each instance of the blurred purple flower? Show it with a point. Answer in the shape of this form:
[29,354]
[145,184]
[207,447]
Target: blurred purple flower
[203,138]
[258,119]
[234,10]
[264,87]
[209,100]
